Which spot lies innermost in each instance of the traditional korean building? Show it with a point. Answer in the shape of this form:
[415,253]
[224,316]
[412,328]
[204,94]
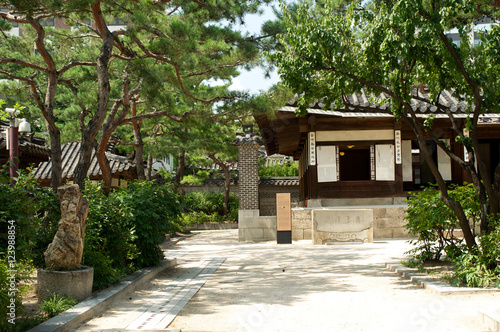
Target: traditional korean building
[32,149]
[122,169]
[358,164]
[363,152]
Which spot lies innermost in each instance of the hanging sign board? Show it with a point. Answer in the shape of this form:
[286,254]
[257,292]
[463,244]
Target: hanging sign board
[312,148]
[397,144]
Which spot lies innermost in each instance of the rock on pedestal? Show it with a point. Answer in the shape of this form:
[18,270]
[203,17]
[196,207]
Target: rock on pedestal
[66,250]
[64,274]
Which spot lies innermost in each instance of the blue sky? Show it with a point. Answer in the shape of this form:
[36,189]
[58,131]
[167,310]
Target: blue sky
[255,79]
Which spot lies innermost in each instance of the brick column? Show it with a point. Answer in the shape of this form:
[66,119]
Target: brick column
[251,226]
[248,169]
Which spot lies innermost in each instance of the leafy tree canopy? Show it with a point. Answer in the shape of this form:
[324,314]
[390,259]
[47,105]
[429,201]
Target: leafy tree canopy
[397,48]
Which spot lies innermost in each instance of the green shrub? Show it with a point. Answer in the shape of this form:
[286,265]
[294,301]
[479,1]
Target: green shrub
[480,269]
[125,228]
[193,218]
[11,309]
[200,207]
[107,235]
[26,210]
[33,209]
[154,212]
[197,179]
[55,304]
[280,170]
[433,222]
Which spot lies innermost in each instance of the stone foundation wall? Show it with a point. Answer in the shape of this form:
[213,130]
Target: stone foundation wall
[301,224]
[388,222]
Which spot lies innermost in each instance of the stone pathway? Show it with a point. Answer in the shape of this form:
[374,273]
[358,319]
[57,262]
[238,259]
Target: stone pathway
[168,302]
[235,286]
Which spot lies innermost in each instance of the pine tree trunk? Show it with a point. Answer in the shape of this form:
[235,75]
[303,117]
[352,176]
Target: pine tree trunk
[180,167]
[107,175]
[56,158]
[227,183]
[139,153]
[150,167]
[139,147]
[91,129]
[82,168]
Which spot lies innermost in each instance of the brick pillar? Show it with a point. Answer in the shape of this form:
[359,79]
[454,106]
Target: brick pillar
[248,144]
[251,226]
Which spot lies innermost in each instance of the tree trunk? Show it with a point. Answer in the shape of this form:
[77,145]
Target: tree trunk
[454,205]
[227,183]
[85,157]
[139,153]
[180,167]
[90,131]
[110,126]
[56,158]
[150,167]
[107,175]
[139,146]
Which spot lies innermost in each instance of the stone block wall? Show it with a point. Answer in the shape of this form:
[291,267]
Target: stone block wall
[388,222]
[301,224]
[252,227]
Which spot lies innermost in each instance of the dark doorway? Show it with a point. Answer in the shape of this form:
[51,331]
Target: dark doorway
[354,163]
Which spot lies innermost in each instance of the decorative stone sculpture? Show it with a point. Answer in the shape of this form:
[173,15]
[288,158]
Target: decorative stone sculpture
[66,250]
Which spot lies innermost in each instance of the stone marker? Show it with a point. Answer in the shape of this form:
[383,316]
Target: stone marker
[66,250]
[332,226]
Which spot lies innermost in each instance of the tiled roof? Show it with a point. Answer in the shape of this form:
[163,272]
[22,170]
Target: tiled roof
[70,156]
[363,105]
[31,149]
[279,181]
[264,181]
[215,167]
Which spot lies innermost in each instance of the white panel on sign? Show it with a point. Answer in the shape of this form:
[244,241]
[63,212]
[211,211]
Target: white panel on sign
[407,162]
[384,162]
[444,163]
[327,163]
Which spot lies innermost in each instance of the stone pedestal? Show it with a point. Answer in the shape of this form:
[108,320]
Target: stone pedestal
[252,227]
[336,226]
[76,284]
